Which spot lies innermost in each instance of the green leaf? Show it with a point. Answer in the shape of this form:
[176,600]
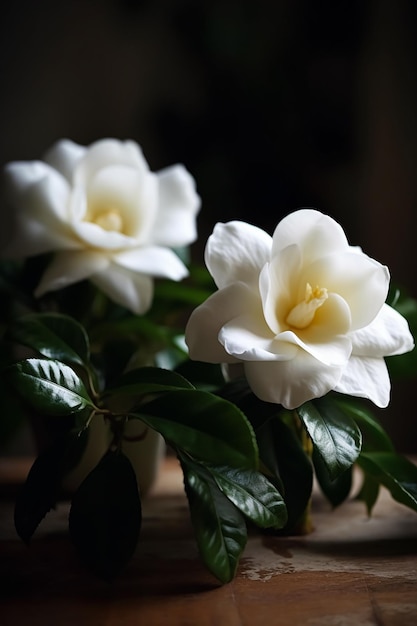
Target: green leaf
[337,490]
[395,472]
[335,434]
[219,527]
[148,380]
[281,451]
[375,439]
[41,489]
[53,335]
[374,436]
[105,516]
[257,411]
[49,386]
[369,492]
[205,426]
[206,376]
[253,494]
[181,293]
[112,357]
[141,328]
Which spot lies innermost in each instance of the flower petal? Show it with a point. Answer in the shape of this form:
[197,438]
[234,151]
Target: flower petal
[291,383]
[94,236]
[154,261]
[334,353]
[276,289]
[64,156]
[40,196]
[129,289]
[366,378]
[103,200]
[248,338]
[178,206]
[237,251]
[362,282]
[387,335]
[134,198]
[316,234]
[313,318]
[207,320]
[109,152]
[70,267]
[331,321]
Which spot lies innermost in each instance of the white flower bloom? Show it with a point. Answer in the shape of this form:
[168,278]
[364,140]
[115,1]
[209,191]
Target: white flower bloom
[303,312]
[106,215]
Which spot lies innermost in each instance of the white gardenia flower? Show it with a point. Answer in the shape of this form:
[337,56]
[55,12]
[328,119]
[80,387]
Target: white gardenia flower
[303,311]
[107,217]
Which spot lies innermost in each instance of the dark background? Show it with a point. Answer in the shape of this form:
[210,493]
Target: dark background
[272,105]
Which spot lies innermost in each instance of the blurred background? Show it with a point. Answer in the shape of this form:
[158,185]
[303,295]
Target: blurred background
[271,105]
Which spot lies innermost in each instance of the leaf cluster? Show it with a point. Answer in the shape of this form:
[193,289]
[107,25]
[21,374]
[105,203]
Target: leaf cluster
[212,438]
[245,461]
[325,438]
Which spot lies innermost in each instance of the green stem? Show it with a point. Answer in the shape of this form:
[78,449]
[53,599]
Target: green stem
[305,524]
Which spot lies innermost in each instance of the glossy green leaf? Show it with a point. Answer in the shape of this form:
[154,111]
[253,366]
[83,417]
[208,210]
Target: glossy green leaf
[257,411]
[395,472]
[178,293]
[49,386]
[205,426]
[219,527]
[369,492]
[148,380]
[142,328]
[105,516]
[336,436]
[281,450]
[206,376]
[53,335]
[337,490]
[374,436]
[253,494]
[41,489]
[112,357]
[375,439]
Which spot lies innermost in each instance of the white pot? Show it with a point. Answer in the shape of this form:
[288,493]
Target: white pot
[145,453]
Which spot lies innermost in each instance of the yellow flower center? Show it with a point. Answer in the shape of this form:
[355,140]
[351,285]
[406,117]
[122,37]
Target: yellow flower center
[109,219]
[303,313]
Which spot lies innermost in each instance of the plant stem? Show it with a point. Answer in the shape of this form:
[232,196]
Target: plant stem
[305,523]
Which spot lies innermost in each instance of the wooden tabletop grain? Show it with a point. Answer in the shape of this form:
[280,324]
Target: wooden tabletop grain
[351,570]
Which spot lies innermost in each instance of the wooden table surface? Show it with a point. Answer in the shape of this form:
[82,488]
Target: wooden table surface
[350,571]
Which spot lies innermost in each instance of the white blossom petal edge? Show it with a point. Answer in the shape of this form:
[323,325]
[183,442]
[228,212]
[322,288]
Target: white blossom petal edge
[106,215]
[303,312]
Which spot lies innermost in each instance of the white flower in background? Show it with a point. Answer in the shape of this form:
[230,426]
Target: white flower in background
[107,217]
[303,311]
